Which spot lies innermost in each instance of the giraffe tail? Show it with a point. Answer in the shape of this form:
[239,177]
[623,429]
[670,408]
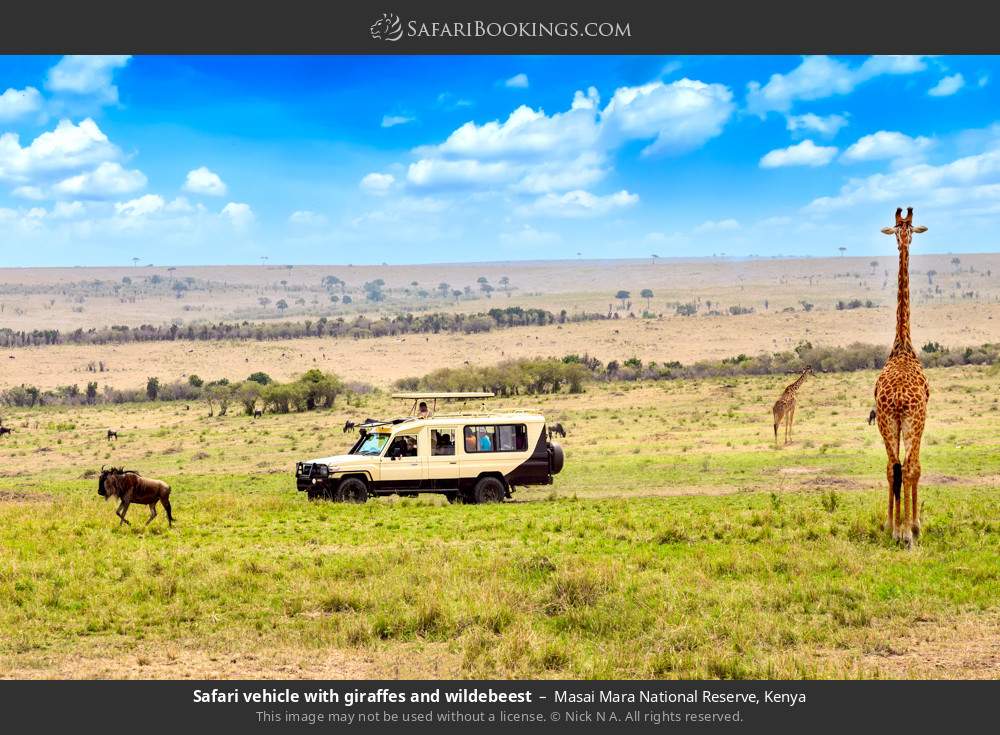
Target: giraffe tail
[897,480]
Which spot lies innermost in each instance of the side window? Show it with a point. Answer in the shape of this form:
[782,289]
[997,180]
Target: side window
[513,438]
[403,446]
[442,442]
[480,439]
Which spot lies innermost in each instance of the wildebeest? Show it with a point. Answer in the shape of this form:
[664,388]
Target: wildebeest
[871,417]
[349,426]
[557,429]
[130,487]
[5,430]
[112,435]
[257,413]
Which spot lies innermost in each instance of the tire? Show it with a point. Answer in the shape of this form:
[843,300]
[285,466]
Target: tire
[556,458]
[489,490]
[453,497]
[352,490]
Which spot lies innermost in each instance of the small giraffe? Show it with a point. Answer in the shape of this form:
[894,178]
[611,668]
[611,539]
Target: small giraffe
[901,394]
[784,408]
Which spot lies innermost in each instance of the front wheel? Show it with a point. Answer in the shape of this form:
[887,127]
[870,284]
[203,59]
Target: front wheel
[488,490]
[352,490]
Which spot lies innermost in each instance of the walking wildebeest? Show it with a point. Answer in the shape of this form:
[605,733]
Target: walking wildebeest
[349,426]
[5,430]
[130,487]
[112,435]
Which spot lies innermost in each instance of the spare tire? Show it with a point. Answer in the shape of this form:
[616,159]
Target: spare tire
[556,458]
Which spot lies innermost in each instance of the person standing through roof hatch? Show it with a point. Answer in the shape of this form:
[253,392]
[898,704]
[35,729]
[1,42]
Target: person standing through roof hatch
[422,411]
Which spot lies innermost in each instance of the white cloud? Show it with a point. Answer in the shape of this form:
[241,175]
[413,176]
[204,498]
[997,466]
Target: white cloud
[391,121]
[518,81]
[805,153]
[962,182]
[885,144]
[29,192]
[204,181]
[90,76]
[239,214]
[17,103]
[377,183]
[828,125]
[947,86]
[307,218]
[578,203]
[722,225]
[819,77]
[141,206]
[66,148]
[107,180]
[68,210]
[535,152]
[678,116]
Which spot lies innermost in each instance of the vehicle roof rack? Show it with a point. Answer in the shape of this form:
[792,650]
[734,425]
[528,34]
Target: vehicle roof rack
[431,396]
[418,396]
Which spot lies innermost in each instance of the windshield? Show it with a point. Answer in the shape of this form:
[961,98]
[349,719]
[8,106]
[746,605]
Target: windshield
[371,444]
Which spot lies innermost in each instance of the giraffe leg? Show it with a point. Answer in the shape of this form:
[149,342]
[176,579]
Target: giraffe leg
[911,433]
[888,427]
[791,420]
[911,472]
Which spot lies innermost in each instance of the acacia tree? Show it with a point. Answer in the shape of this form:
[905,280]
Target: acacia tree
[647,293]
[623,296]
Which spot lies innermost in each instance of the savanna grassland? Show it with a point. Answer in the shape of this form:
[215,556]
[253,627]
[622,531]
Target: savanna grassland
[679,541]
[778,302]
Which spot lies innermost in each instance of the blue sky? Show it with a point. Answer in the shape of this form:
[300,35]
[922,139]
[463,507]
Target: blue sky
[433,159]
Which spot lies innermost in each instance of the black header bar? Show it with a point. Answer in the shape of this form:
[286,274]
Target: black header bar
[513,26]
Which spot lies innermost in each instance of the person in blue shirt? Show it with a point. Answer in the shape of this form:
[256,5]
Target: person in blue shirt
[485,444]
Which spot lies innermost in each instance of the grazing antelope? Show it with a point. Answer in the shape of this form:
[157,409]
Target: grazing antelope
[130,487]
[557,429]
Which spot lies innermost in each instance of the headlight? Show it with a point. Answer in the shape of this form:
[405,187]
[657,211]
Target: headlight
[322,470]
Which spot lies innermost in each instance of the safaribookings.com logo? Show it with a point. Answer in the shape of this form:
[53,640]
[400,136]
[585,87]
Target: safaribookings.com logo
[390,28]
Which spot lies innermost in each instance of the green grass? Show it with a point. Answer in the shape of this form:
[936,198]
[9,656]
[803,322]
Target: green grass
[707,553]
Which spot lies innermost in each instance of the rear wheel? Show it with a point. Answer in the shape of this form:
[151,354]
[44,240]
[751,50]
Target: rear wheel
[489,490]
[453,497]
[352,490]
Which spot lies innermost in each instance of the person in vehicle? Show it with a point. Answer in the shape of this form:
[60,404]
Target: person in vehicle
[422,411]
[485,444]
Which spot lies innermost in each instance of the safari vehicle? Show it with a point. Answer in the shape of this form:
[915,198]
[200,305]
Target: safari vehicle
[472,457]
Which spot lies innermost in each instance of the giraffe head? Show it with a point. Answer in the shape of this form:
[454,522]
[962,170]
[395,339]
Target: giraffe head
[808,370]
[904,229]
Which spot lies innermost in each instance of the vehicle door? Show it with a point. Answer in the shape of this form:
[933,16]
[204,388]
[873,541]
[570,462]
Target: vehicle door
[442,459]
[401,465]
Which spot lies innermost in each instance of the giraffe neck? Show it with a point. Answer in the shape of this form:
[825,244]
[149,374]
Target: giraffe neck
[902,343]
[795,386]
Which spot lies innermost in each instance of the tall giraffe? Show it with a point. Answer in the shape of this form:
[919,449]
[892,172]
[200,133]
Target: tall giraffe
[901,394]
[784,408]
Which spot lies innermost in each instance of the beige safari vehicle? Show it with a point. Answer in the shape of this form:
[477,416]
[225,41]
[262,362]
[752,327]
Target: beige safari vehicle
[477,456]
